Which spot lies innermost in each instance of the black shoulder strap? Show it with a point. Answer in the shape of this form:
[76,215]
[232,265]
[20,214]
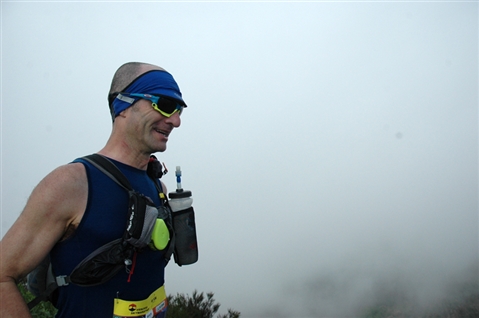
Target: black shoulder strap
[112,171]
[108,168]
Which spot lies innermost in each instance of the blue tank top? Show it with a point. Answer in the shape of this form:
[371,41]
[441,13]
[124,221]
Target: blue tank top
[105,220]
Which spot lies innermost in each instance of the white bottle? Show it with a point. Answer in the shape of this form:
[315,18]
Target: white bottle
[181,199]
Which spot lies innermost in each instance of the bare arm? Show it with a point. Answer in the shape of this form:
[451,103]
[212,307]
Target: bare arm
[55,205]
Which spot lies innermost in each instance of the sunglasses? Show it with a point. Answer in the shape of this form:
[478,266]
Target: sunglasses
[162,104]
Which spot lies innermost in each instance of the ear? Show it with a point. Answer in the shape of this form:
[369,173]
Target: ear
[123,113]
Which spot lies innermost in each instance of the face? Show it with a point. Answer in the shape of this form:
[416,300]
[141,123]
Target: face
[148,130]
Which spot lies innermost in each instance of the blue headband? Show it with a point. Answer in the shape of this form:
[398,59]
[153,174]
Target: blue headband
[154,82]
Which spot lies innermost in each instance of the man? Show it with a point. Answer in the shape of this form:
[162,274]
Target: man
[76,208]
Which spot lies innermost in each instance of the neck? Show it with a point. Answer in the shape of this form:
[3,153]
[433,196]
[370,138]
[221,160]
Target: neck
[124,153]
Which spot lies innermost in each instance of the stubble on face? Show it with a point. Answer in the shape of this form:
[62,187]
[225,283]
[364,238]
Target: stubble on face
[151,132]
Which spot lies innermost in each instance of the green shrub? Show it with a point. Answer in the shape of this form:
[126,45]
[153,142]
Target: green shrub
[196,306]
[43,309]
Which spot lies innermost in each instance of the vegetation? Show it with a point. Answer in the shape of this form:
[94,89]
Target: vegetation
[179,306]
[199,305]
[196,306]
[43,309]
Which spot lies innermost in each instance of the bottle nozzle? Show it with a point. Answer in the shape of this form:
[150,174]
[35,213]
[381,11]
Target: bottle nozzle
[178,179]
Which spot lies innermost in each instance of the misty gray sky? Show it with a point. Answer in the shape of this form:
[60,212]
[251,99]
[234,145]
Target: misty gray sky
[331,147]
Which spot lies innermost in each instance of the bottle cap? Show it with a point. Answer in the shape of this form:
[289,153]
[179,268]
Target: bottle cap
[179,194]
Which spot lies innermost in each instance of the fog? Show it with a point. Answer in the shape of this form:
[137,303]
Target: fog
[331,147]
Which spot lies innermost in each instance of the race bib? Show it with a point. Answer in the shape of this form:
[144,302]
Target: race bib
[153,307]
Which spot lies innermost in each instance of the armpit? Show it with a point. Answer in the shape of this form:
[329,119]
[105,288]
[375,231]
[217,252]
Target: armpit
[69,231]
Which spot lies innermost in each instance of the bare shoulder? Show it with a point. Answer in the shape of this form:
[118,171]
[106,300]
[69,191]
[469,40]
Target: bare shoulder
[60,197]
[64,192]
[64,178]
[55,206]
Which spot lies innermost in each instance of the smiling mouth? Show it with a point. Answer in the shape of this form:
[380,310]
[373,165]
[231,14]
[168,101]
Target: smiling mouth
[164,133]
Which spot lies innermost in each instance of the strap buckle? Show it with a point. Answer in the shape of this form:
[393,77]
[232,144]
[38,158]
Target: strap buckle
[62,280]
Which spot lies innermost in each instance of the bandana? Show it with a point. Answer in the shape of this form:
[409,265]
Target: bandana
[154,82]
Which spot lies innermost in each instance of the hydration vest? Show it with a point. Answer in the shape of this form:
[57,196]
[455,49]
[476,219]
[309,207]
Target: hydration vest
[147,226]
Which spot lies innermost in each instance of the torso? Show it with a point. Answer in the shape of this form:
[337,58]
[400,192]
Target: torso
[103,220]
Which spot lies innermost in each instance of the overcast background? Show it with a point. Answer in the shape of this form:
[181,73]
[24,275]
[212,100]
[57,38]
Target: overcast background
[331,148]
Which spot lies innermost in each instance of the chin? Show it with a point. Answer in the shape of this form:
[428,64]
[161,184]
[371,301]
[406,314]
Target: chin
[161,148]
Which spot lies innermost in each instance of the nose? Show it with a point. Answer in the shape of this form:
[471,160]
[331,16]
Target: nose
[174,120]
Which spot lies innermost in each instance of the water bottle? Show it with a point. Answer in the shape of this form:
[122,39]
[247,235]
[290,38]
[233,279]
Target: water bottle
[183,215]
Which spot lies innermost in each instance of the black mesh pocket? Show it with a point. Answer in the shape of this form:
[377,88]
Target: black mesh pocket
[101,265]
[186,246]
[142,215]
